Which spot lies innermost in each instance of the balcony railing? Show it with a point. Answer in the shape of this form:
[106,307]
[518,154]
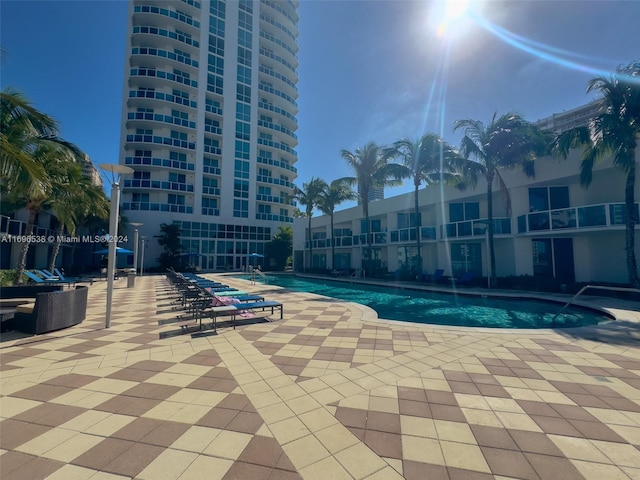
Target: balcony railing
[589,216]
[156,184]
[475,228]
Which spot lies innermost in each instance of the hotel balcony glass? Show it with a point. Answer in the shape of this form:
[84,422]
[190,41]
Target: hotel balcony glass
[590,216]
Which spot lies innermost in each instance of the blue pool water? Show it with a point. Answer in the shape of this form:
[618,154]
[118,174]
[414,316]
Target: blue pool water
[444,309]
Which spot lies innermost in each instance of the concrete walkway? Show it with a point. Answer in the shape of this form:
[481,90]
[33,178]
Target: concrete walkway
[329,392]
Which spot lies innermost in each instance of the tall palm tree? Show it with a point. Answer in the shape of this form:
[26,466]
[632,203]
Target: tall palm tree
[613,132]
[428,160]
[337,192]
[74,204]
[372,169]
[56,161]
[309,197]
[507,142]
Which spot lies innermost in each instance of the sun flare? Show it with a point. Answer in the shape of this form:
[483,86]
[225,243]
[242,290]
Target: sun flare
[450,15]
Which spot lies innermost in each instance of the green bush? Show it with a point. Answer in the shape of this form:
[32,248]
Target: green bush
[7,278]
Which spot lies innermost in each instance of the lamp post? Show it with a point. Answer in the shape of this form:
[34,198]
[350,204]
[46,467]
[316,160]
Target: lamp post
[142,255]
[116,171]
[135,245]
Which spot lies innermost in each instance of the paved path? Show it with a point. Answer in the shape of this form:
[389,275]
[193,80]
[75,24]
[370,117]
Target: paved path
[329,392]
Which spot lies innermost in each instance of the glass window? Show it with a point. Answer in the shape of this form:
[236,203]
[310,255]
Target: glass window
[542,264]
[559,197]
[456,212]
[538,201]
[472,211]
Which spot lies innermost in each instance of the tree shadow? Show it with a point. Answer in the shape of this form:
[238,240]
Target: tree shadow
[616,332]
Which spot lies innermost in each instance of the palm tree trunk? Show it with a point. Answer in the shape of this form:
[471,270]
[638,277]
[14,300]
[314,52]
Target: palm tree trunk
[365,207]
[417,213]
[22,259]
[333,246]
[492,255]
[56,248]
[310,245]
[630,222]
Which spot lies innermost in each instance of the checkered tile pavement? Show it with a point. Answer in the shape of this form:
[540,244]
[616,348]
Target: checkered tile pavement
[327,392]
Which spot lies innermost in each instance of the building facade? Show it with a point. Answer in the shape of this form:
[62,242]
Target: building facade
[555,229]
[208,125]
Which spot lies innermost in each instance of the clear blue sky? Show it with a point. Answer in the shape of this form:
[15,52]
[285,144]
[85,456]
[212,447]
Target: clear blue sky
[367,68]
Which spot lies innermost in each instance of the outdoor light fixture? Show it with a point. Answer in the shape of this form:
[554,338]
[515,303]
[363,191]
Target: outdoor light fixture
[135,245]
[142,241]
[116,171]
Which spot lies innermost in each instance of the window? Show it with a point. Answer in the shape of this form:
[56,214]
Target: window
[214,83]
[244,20]
[173,199]
[243,112]
[241,169]
[242,150]
[177,177]
[406,220]
[243,130]
[178,135]
[541,199]
[244,93]
[466,257]
[244,75]
[241,208]
[542,257]
[244,38]
[241,189]
[141,175]
[244,56]
[216,45]
[459,212]
[180,157]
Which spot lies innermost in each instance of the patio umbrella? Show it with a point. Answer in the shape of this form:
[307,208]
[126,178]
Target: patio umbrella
[254,255]
[118,250]
[192,255]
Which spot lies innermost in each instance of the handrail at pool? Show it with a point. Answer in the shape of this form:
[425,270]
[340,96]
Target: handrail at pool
[260,273]
[597,287]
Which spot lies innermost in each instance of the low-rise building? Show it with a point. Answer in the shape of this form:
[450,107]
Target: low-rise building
[554,228]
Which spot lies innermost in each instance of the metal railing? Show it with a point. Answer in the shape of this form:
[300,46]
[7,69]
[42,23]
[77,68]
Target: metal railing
[255,272]
[586,287]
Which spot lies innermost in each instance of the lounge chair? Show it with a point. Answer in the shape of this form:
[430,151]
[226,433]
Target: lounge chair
[464,279]
[438,276]
[64,278]
[46,274]
[38,279]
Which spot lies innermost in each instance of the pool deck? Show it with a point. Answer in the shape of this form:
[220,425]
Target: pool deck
[329,392]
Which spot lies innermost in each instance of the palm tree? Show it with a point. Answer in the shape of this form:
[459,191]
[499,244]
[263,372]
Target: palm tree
[372,170]
[21,126]
[56,161]
[309,196]
[337,192]
[428,160]
[75,204]
[508,142]
[171,243]
[613,132]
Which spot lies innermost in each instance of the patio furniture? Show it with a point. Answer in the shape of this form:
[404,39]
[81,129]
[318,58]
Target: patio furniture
[52,311]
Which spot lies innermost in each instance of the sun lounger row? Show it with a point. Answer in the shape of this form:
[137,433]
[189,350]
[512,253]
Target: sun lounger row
[46,277]
[203,299]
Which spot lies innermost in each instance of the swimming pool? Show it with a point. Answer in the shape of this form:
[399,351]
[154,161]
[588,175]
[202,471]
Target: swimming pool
[444,309]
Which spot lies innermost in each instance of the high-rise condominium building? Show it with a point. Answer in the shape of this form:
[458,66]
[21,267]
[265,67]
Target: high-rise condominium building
[209,123]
